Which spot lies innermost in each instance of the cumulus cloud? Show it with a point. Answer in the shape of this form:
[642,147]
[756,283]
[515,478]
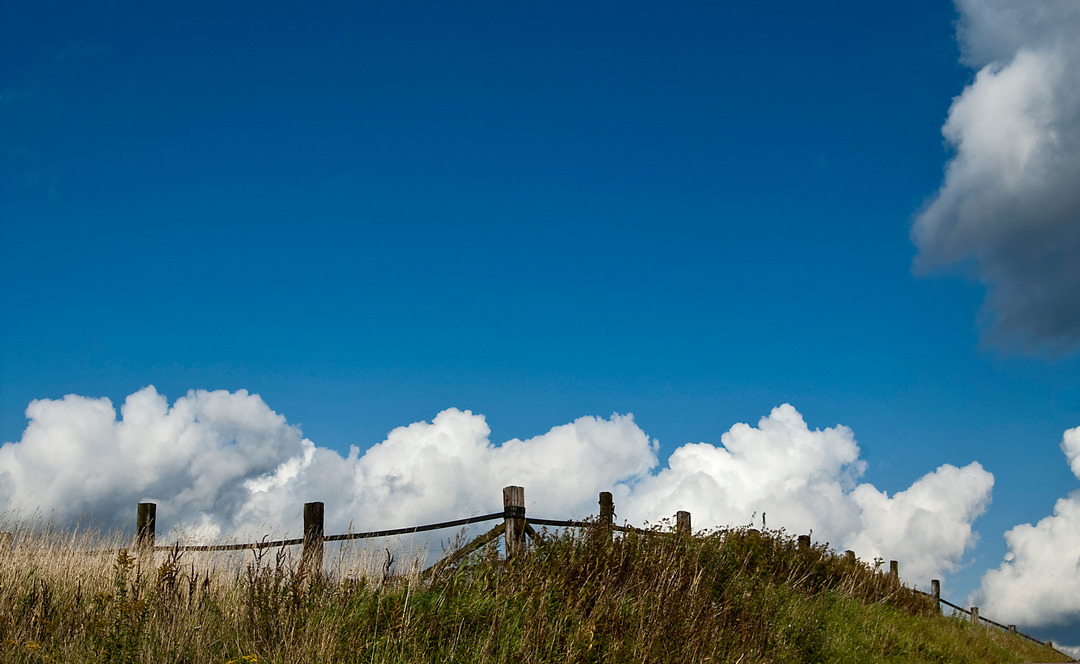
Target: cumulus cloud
[926,523]
[1037,586]
[223,464]
[75,458]
[805,480]
[448,468]
[220,463]
[1009,207]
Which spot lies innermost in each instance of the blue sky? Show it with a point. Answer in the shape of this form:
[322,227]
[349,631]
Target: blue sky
[368,213]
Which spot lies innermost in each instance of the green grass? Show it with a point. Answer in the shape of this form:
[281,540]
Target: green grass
[732,596]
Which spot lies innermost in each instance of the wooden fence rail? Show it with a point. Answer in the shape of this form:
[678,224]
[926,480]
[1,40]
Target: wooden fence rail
[977,619]
[514,529]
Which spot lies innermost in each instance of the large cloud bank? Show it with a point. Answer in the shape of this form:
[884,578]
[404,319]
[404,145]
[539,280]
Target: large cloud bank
[222,464]
[1037,586]
[1009,208]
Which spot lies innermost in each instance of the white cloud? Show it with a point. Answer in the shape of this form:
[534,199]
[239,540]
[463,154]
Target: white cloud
[1070,445]
[927,526]
[225,464]
[804,481]
[448,469]
[1009,208]
[1038,584]
[76,458]
[799,478]
[222,463]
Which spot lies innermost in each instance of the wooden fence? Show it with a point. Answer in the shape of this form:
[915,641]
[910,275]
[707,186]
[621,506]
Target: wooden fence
[976,619]
[514,528]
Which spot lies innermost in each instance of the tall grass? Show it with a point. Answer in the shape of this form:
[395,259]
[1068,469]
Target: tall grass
[582,596]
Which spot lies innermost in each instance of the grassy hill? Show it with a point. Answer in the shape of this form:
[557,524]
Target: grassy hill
[731,596]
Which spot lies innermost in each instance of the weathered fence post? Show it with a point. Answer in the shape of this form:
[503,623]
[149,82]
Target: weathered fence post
[804,541]
[849,555]
[607,511]
[607,508]
[145,526]
[682,522]
[894,569]
[974,615]
[514,516]
[311,558]
[1012,629]
[935,590]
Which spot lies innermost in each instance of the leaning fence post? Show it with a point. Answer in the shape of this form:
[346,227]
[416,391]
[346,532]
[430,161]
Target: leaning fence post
[682,522]
[894,569]
[145,525]
[514,516]
[311,558]
[974,615]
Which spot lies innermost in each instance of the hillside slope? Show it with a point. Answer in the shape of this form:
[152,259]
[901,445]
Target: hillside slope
[731,596]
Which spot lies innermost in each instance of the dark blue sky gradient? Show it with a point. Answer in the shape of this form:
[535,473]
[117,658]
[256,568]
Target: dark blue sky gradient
[368,213]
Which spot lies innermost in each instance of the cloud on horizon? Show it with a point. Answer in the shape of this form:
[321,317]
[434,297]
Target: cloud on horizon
[224,465]
[1008,211]
[1038,583]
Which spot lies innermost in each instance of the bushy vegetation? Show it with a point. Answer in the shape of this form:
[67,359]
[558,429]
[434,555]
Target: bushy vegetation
[580,596]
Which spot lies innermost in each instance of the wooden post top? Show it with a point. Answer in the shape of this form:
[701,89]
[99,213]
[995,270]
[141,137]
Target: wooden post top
[682,522]
[146,524]
[313,519]
[311,557]
[514,517]
[607,508]
[514,501]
